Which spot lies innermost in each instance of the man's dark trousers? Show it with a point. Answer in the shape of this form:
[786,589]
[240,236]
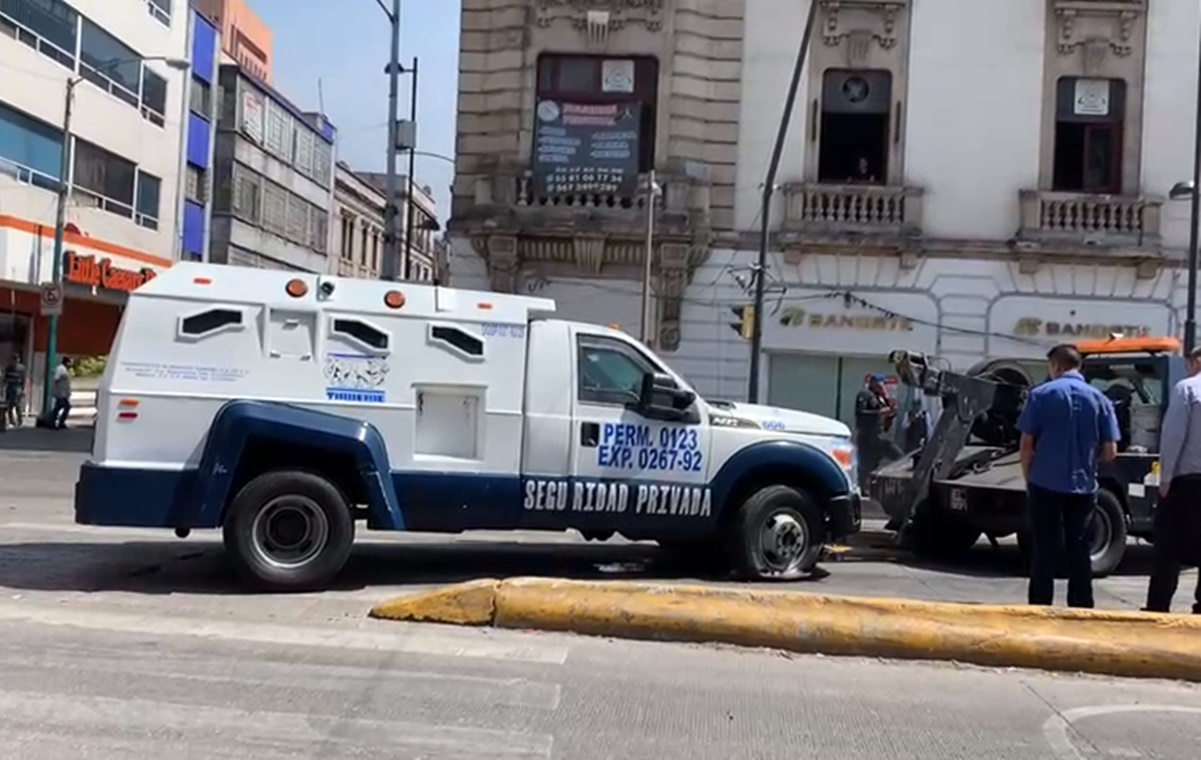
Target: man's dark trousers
[1177,537]
[1059,525]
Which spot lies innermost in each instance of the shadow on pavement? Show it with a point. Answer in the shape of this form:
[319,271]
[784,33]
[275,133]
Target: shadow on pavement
[73,439]
[982,561]
[199,566]
[165,567]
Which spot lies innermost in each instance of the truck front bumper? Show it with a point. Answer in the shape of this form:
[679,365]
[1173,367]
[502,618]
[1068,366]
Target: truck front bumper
[846,515]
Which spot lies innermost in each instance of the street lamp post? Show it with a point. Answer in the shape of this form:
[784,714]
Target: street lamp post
[60,214]
[769,187]
[648,311]
[1180,191]
[409,200]
[391,212]
[1192,191]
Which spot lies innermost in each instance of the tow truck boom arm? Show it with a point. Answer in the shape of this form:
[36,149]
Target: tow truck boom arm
[965,398]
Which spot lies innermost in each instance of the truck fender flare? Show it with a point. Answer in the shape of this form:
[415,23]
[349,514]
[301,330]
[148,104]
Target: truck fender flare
[813,465]
[237,422]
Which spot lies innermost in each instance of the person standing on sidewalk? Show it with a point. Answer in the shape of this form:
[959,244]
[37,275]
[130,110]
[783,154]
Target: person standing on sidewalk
[62,395]
[1067,426]
[14,391]
[1177,529]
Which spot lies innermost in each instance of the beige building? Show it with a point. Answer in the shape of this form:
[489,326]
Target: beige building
[357,235]
[660,77]
[941,188]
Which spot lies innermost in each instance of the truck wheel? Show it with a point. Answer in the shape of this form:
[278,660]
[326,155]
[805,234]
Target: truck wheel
[1107,535]
[288,531]
[1107,538]
[780,534]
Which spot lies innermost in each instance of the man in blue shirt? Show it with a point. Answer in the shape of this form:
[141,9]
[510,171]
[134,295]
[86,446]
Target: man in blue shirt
[1066,426]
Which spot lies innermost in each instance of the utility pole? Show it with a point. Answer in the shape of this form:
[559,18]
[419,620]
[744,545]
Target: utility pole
[1190,317]
[408,269]
[60,222]
[769,186]
[391,213]
[648,311]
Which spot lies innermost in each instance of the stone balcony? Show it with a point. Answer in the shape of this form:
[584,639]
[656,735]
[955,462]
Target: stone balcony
[516,231]
[505,198]
[878,216]
[1054,221]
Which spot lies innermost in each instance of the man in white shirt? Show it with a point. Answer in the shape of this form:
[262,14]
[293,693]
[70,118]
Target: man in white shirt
[1177,531]
[62,394]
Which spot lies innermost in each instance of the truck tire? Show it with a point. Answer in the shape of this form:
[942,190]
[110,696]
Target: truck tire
[1107,545]
[288,530]
[779,536]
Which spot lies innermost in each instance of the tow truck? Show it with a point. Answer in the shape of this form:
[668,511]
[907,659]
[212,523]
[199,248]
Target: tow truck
[966,481]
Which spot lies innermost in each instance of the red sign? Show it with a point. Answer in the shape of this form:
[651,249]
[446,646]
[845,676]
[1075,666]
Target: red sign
[86,270]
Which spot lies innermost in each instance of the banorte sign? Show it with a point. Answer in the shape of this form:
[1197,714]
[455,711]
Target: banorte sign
[1033,327]
[794,317]
[102,273]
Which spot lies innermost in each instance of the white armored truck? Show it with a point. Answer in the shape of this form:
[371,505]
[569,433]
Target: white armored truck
[287,408]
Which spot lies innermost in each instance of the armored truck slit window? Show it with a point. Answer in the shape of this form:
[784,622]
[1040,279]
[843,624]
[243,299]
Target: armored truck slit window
[362,332]
[208,322]
[465,342]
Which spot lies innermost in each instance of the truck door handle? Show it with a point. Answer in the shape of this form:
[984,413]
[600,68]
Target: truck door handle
[589,434]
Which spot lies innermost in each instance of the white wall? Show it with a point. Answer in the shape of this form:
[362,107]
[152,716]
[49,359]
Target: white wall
[1170,108]
[974,306]
[36,85]
[772,35]
[975,103]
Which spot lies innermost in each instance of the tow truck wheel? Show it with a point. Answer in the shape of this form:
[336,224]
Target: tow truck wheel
[1107,534]
[780,534]
[1106,541]
[288,531]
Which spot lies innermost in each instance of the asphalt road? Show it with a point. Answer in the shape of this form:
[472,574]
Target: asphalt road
[131,644]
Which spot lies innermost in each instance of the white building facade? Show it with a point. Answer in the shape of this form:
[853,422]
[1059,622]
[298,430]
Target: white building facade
[966,178]
[122,215]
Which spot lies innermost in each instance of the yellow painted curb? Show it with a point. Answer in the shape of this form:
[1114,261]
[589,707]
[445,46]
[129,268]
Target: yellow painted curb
[472,603]
[1109,643]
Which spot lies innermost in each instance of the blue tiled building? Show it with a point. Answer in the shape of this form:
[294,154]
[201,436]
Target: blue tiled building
[199,139]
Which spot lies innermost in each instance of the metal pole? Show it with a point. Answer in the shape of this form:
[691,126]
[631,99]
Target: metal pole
[391,231]
[408,270]
[768,188]
[1190,318]
[60,223]
[647,309]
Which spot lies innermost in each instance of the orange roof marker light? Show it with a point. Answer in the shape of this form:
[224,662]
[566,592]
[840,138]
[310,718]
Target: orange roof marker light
[484,306]
[297,288]
[394,299]
[1121,345]
[202,281]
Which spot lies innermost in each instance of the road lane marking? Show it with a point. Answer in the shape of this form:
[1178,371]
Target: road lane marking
[193,724]
[416,638]
[1058,728]
[98,659]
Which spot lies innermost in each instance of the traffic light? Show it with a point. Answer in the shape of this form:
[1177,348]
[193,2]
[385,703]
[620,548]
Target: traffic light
[745,326]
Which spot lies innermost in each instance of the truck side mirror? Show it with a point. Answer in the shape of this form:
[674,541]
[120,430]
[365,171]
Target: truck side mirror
[662,398]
